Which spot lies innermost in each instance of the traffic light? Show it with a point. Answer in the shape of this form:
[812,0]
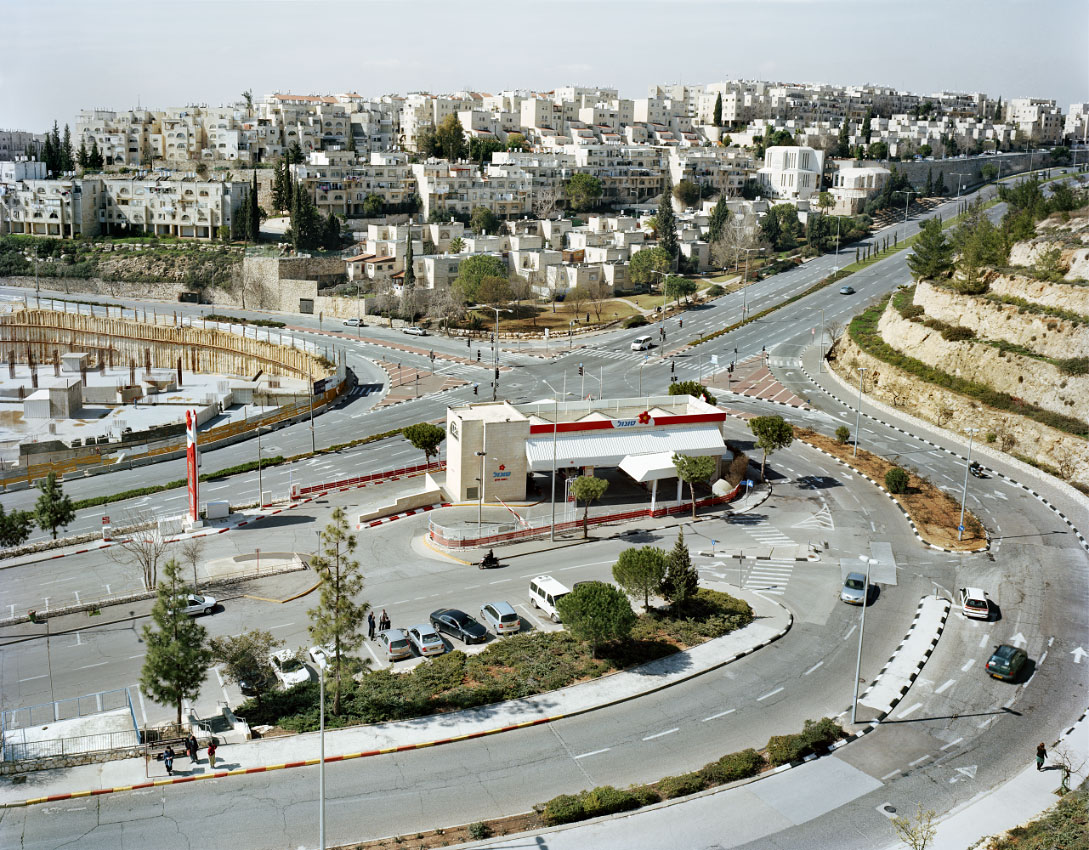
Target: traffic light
[432,356]
[672,366]
[478,355]
[476,389]
[497,374]
[580,370]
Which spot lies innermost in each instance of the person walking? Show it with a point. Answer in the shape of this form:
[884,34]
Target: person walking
[1041,755]
[370,625]
[384,620]
[212,754]
[191,747]
[168,760]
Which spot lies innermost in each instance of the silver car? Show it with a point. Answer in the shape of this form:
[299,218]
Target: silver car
[854,589]
[501,618]
[426,641]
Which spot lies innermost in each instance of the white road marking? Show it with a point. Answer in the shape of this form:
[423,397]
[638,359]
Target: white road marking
[814,667]
[919,760]
[89,666]
[530,617]
[945,686]
[660,734]
[371,651]
[910,710]
[968,665]
[952,744]
[851,631]
[141,655]
[984,640]
[984,723]
[281,626]
[592,753]
[720,714]
[770,694]
[890,775]
[32,678]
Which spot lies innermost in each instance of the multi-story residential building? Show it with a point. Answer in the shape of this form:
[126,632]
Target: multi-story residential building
[338,183]
[34,206]
[791,173]
[1076,126]
[1038,120]
[853,185]
[15,144]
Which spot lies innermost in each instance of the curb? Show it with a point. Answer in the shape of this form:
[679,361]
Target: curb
[374,523]
[408,747]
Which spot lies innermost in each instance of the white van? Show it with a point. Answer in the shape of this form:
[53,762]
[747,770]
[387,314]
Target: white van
[544,593]
[641,343]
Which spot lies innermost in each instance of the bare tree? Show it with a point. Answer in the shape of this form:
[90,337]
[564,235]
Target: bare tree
[545,201]
[576,298]
[447,303]
[191,549]
[144,546]
[600,292]
[1068,763]
[833,329]
[916,832]
[738,236]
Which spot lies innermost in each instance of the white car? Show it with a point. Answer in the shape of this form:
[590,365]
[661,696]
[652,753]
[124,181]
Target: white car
[322,655]
[288,669]
[973,603]
[194,604]
[414,330]
[353,323]
[642,343]
[426,641]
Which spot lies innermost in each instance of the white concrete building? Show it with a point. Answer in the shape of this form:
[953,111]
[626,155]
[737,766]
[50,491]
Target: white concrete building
[791,173]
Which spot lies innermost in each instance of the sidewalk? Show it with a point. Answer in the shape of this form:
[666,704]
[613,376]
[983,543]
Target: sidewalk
[772,622]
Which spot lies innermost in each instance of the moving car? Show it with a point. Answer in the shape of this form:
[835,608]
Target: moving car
[458,624]
[426,641]
[854,589]
[1006,662]
[641,343]
[544,593]
[976,470]
[394,643]
[288,669]
[194,604]
[846,290]
[501,618]
[973,603]
[353,323]
[414,330]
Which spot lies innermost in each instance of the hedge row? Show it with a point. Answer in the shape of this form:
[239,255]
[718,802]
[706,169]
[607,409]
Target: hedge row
[864,332]
[816,736]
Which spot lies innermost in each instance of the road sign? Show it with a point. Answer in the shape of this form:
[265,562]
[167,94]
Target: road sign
[748,482]
[714,359]
[105,520]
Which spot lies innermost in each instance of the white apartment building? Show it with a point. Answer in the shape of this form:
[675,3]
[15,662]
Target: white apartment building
[1038,120]
[15,144]
[33,206]
[791,173]
[852,186]
[1075,128]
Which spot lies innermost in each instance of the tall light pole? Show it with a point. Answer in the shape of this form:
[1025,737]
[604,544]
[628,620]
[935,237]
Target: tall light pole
[820,363]
[861,632]
[641,365]
[858,411]
[321,761]
[495,374]
[964,490]
[907,199]
[744,282]
[260,487]
[958,175]
[482,455]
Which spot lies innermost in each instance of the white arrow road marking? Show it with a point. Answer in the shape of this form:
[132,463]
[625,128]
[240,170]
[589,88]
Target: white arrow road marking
[1018,640]
[968,772]
[1078,654]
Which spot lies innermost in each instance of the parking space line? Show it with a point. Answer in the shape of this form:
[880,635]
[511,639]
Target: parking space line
[968,665]
[814,667]
[910,710]
[919,760]
[945,686]
[89,666]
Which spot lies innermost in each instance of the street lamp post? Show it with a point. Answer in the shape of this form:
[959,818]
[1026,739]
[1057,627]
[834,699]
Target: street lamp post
[480,496]
[964,490]
[907,199]
[744,282]
[260,487]
[321,763]
[820,362]
[858,411]
[958,175]
[861,633]
[495,374]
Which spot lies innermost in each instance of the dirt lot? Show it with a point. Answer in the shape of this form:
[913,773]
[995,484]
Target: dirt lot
[935,513]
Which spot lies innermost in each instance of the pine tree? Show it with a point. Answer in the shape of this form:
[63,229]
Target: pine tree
[681,580]
[53,509]
[81,156]
[410,273]
[177,657]
[47,154]
[95,158]
[867,130]
[667,223]
[67,161]
[843,140]
[279,187]
[718,110]
[932,254]
[331,232]
[939,184]
[253,228]
[240,221]
[720,214]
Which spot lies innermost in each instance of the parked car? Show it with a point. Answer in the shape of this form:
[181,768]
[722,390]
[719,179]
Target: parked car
[500,618]
[414,330]
[458,624]
[973,603]
[854,589]
[395,644]
[322,655]
[194,604]
[353,323]
[1006,662]
[426,641]
[846,290]
[288,668]
[544,593]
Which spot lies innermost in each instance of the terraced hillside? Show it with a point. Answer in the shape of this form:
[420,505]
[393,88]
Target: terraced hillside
[994,335]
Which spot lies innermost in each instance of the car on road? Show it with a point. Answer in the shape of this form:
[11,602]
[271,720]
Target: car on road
[973,603]
[501,618]
[854,589]
[414,330]
[394,644]
[426,641]
[1006,662]
[642,343]
[544,593]
[288,668]
[976,470]
[846,290]
[353,323]
[194,604]
[458,624]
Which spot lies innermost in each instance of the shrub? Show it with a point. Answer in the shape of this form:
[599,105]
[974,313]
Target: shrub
[733,766]
[605,800]
[680,786]
[843,434]
[913,311]
[991,436]
[1074,366]
[645,794]
[479,831]
[957,332]
[635,321]
[566,808]
[817,735]
[896,480]
[714,291]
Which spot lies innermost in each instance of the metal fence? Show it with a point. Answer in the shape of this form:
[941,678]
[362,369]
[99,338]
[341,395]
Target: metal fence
[16,750]
[15,722]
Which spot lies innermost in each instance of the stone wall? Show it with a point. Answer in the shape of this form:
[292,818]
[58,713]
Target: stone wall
[1062,296]
[1045,335]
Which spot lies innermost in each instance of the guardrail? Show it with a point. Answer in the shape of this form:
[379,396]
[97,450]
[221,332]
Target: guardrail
[434,466]
[454,539]
[77,745]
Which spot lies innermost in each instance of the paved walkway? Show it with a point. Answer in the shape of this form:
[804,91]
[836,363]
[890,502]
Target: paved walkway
[752,377]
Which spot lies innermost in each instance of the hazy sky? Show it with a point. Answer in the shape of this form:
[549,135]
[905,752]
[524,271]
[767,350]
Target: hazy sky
[63,55]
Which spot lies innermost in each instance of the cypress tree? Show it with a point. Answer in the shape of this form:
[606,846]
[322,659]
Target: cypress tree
[928,190]
[867,130]
[667,223]
[254,220]
[81,155]
[410,273]
[720,213]
[939,184]
[718,110]
[47,154]
[95,158]
[67,162]
[842,142]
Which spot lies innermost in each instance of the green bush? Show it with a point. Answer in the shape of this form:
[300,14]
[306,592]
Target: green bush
[566,808]
[479,831]
[843,434]
[896,480]
[991,436]
[645,794]
[606,800]
[955,333]
[816,736]
[733,766]
[681,786]
[1074,366]
[635,321]
[912,311]
[714,291]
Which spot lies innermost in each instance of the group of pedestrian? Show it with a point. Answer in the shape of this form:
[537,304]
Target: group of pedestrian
[192,750]
[374,626]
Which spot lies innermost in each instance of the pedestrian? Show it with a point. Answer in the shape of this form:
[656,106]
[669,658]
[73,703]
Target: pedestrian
[468,343]
[168,760]
[191,747]
[384,620]
[1041,754]
[370,625]
[212,754]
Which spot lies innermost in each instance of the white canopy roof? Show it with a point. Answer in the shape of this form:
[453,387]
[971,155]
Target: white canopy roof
[611,447]
[653,467]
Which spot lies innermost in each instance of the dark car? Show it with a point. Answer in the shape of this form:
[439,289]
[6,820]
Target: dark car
[1006,662]
[976,470]
[458,624]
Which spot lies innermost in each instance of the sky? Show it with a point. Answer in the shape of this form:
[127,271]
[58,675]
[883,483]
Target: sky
[61,56]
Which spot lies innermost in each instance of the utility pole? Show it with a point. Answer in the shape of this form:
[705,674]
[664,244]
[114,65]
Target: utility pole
[907,199]
[858,410]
